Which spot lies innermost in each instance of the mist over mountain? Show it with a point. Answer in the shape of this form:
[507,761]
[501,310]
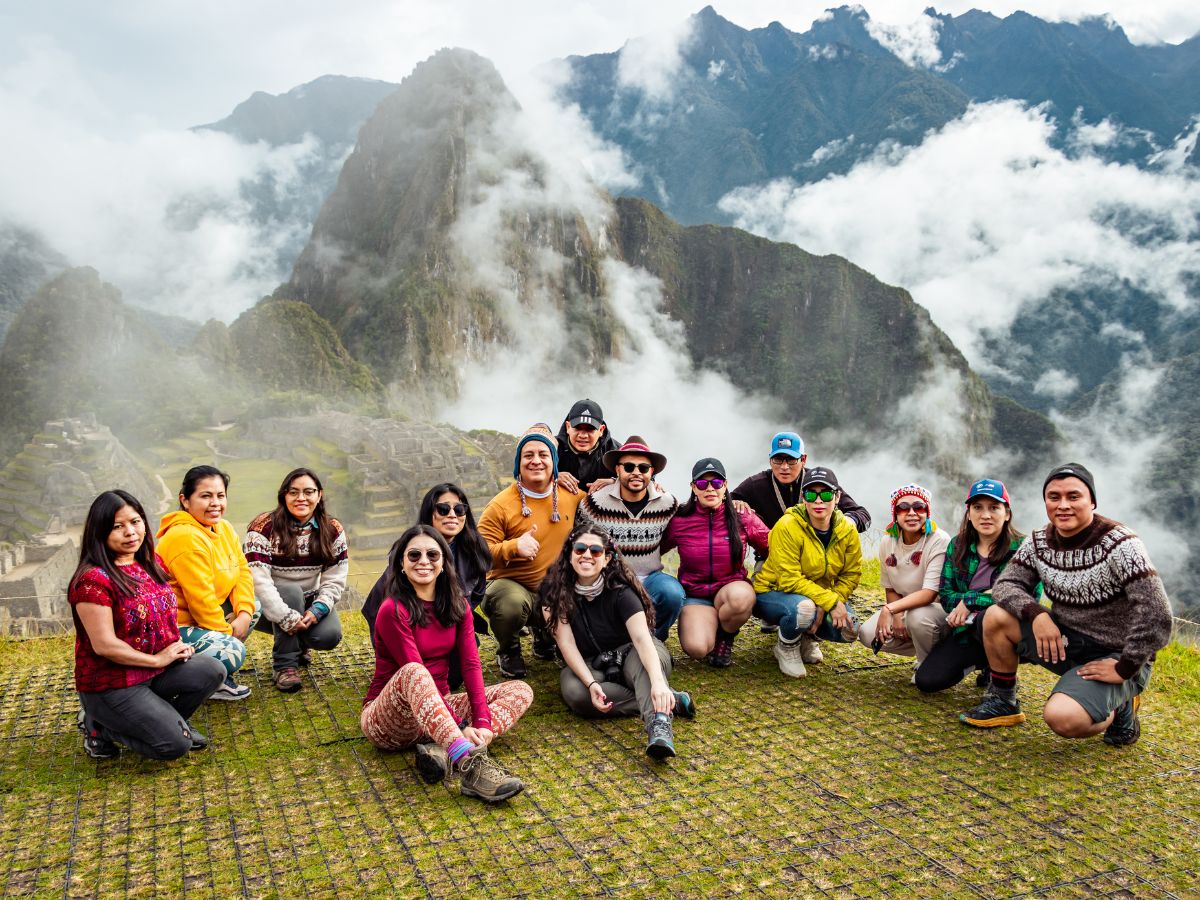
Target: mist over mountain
[26,262]
[449,238]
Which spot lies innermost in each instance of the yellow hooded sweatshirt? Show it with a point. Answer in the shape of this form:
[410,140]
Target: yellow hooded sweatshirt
[798,563]
[206,567]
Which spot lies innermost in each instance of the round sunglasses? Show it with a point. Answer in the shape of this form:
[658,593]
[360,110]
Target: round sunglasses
[444,509]
[414,555]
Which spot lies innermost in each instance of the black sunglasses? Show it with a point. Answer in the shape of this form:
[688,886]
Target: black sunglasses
[581,548]
[414,555]
[639,467]
[443,509]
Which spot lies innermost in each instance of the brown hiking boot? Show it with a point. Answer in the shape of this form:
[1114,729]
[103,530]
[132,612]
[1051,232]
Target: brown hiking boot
[482,778]
[287,680]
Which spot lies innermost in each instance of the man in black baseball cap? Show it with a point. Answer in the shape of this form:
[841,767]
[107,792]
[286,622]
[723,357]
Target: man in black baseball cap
[582,442]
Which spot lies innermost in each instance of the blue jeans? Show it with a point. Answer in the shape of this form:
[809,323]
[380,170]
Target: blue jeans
[795,613]
[667,595]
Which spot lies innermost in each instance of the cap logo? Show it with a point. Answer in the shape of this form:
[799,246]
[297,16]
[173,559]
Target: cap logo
[786,442]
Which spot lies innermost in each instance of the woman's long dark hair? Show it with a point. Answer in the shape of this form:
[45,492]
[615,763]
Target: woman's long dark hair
[469,543]
[94,552]
[967,535]
[195,475]
[283,534]
[737,547]
[449,604]
[557,593]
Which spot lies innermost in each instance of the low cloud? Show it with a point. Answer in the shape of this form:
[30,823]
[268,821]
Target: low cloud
[652,64]
[986,217]
[915,44]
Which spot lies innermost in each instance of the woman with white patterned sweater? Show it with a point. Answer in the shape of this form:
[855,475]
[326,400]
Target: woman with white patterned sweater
[299,560]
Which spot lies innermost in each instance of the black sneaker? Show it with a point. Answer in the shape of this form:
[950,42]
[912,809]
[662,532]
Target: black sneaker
[544,649]
[983,678]
[768,629]
[199,739]
[95,745]
[512,664]
[662,739]
[994,711]
[684,704]
[1125,728]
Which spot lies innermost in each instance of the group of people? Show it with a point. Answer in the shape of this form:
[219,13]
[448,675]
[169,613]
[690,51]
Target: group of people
[571,554]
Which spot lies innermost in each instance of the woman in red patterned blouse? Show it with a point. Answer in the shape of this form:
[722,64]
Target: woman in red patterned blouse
[137,682]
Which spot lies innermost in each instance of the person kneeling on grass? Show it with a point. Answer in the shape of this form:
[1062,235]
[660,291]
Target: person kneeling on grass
[911,556]
[300,563]
[976,557]
[137,681]
[1110,615]
[712,534]
[424,620]
[813,564]
[600,616]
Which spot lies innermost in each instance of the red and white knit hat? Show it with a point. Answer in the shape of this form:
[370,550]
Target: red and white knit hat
[912,490]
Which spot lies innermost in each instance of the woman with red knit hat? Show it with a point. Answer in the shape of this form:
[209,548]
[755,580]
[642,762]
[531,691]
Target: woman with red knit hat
[911,554]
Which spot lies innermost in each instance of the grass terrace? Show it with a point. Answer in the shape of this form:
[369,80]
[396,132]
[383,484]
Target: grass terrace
[845,784]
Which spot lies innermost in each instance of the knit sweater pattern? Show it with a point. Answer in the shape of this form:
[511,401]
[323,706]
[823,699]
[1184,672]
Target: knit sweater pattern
[1100,583]
[320,584]
[637,537]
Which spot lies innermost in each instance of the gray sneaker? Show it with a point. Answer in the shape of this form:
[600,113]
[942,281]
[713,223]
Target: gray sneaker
[433,765]
[483,779]
[810,649]
[661,743]
[791,658]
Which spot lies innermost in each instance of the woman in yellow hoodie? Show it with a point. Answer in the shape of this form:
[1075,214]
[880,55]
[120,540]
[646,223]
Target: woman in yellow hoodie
[814,562]
[209,573]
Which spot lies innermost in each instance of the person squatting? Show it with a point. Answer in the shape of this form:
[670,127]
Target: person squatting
[571,554]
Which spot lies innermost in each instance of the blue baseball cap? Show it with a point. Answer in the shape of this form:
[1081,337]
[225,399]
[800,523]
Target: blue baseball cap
[787,443]
[989,487]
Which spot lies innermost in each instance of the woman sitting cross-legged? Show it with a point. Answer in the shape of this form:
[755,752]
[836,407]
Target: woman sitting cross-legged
[207,568]
[423,621]
[601,618]
[299,561]
[985,542]
[711,536]
[137,681]
[814,564]
[911,555]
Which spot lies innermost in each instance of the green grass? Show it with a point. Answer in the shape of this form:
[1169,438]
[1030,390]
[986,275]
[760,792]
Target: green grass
[844,784]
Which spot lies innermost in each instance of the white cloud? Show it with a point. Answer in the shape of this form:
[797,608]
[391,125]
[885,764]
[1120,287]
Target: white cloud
[915,44]
[986,217]
[1056,384]
[827,151]
[716,68]
[653,63]
[824,51]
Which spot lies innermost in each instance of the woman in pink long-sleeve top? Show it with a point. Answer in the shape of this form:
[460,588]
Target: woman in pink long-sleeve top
[711,537]
[424,620]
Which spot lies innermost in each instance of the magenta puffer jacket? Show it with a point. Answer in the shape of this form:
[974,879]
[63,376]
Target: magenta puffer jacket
[703,542]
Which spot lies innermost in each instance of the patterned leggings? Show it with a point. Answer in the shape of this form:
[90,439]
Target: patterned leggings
[410,707]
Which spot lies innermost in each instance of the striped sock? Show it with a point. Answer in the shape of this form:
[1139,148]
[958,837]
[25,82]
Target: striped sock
[1005,683]
[457,750]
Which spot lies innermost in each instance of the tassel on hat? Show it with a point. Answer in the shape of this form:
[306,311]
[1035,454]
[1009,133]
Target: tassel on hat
[539,431]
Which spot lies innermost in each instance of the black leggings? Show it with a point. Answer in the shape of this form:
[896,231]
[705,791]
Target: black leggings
[948,662]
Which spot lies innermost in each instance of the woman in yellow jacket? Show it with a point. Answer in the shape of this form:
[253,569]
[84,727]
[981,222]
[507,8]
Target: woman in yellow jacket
[813,563]
[209,573]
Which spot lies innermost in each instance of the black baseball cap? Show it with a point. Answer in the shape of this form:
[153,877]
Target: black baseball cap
[708,464]
[586,412]
[819,475]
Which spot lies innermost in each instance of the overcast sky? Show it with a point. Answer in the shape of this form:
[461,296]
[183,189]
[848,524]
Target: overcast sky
[162,63]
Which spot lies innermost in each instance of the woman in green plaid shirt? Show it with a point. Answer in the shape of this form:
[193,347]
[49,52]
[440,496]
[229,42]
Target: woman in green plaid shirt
[977,555]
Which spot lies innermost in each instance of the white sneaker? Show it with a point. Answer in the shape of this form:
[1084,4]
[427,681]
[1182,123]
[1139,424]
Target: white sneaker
[230,690]
[790,658]
[810,649]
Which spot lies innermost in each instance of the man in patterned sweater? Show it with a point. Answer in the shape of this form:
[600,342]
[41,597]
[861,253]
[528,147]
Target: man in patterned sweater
[1110,615]
[635,511]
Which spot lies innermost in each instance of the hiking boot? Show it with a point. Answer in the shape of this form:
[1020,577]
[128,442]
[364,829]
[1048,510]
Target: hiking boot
[810,649]
[721,656]
[684,704]
[766,628]
[512,663]
[433,765]
[306,657]
[544,649]
[199,739]
[230,690]
[95,745]
[1125,728]
[287,680]
[662,739]
[994,711]
[482,778]
[791,658]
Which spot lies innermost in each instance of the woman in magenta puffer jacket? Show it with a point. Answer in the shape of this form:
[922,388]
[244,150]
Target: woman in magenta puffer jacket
[711,537]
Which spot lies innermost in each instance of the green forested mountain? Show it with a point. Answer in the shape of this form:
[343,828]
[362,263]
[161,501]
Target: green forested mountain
[389,266]
[26,262]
